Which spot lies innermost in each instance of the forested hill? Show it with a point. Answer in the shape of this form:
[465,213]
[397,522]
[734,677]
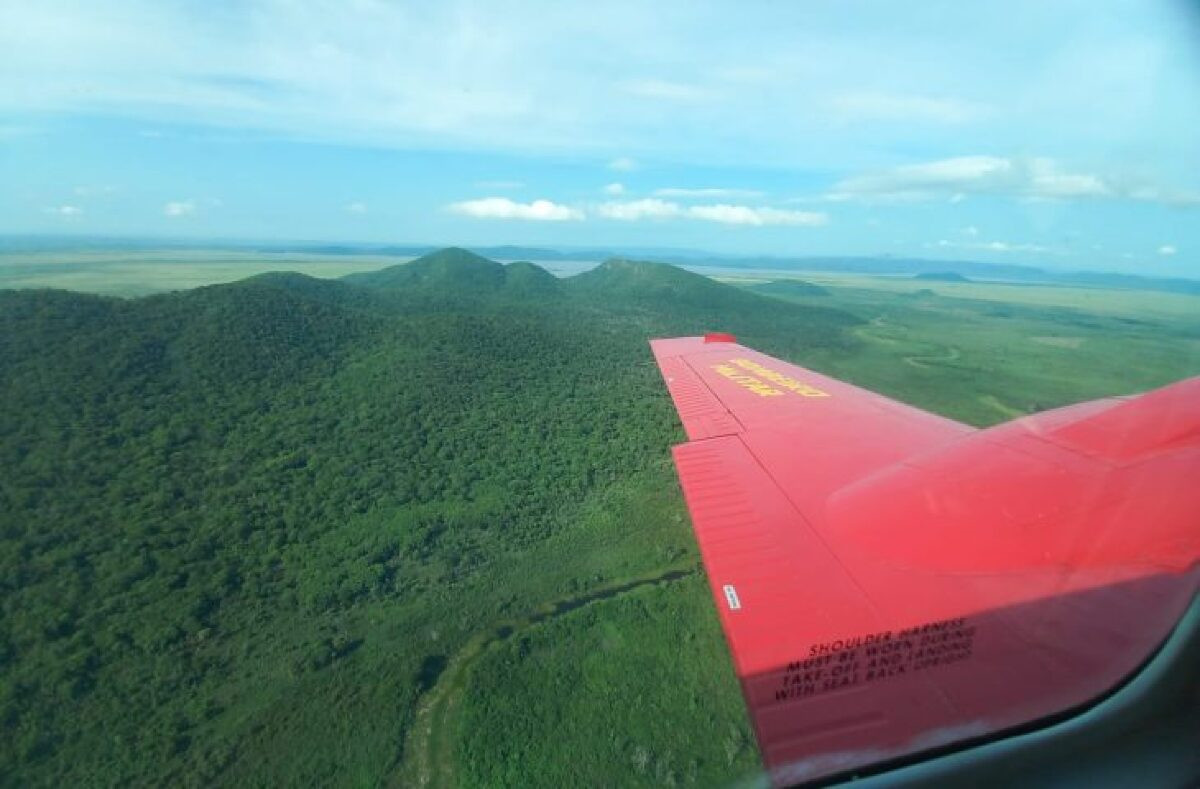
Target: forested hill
[242,527]
[456,273]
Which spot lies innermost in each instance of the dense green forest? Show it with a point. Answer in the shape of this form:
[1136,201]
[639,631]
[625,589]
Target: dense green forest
[232,517]
[258,532]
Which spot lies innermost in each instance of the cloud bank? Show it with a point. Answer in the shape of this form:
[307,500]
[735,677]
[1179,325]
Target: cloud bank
[65,211]
[1037,178]
[503,208]
[655,208]
[644,209]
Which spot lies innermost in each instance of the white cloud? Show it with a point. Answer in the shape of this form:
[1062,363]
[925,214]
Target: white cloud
[623,164]
[634,210]
[1167,250]
[871,106]
[1035,178]
[1047,182]
[357,207]
[178,208]
[503,208]
[927,178]
[1004,246]
[65,211]
[745,215]
[706,193]
[614,189]
[970,230]
[1180,198]
[666,90]
[655,208]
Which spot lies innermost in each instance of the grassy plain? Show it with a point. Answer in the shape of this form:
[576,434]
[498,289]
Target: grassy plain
[121,273]
[985,353]
[1104,301]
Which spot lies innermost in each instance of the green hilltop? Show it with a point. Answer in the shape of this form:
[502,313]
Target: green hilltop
[452,268]
[455,274]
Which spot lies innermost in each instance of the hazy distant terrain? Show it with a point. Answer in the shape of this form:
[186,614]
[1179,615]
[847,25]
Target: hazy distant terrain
[125,267]
[142,272]
[420,525]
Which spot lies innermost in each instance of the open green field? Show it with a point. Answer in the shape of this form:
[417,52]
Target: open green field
[420,527]
[138,273]
[1105,301]
[986,353]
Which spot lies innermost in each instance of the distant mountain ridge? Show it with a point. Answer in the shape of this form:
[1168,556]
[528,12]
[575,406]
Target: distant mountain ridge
[457,278]
[456,272]
[616,285]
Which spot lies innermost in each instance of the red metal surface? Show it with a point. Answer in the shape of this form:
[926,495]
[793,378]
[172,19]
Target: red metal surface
[890,581]
[719,336]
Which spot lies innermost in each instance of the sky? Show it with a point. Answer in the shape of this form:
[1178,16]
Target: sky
[1055,134]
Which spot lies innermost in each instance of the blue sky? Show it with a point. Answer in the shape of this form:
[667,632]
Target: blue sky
[1058,134]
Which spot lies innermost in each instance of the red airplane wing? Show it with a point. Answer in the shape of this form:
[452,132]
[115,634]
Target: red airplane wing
[890,581]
